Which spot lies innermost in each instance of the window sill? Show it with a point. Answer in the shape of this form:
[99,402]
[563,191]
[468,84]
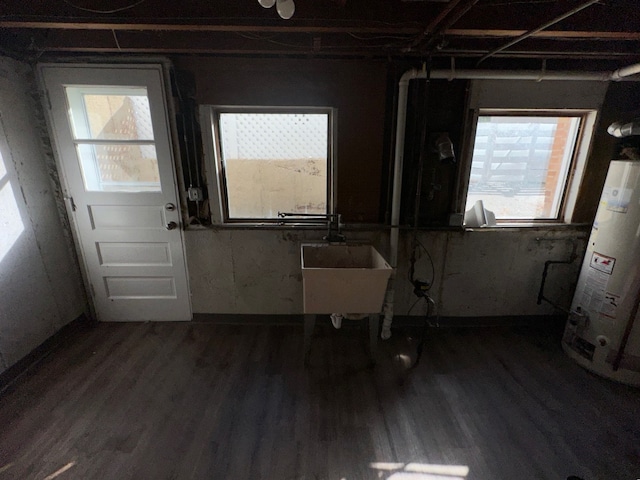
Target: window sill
[530,226]
[360,227]
[256,226]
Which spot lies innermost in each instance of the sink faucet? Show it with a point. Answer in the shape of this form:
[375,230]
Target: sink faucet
[334,223]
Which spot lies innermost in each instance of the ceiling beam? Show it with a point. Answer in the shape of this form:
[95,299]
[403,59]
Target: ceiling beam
[173,27]
[551,34]
[397,30]
[308,50]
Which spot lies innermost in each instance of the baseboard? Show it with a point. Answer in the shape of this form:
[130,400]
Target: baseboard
[542,321]
[248,319]
[10,375]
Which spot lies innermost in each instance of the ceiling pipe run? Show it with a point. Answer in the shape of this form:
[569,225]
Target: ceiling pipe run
[448,23]
[624,72]
[403,94]
[442,22]
[536,30]
[434,23]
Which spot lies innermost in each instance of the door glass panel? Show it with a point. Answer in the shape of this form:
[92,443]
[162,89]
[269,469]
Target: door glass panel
[119,117]
[113,133]
[119,167]
[121,114]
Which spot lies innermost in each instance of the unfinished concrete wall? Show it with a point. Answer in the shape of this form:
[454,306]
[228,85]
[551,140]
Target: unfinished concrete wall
[475,273]
[40,283]
[494,272]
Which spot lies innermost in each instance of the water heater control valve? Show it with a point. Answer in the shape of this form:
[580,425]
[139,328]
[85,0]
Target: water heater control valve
[578,319]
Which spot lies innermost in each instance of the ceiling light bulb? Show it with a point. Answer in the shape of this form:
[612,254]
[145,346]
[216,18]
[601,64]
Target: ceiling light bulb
[286,8]
[267,3]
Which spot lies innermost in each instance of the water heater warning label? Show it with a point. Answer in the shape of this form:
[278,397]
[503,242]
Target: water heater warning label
[602,263]
[593,290]
[610,305]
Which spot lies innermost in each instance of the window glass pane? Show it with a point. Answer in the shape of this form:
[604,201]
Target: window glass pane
[119,168]
[11,224]
[520,165]
[274,162]
[121,115]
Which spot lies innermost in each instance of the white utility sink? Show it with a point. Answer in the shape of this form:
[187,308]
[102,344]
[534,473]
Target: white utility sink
[343,278]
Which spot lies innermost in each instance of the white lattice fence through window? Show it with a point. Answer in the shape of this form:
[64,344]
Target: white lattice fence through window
[275,162]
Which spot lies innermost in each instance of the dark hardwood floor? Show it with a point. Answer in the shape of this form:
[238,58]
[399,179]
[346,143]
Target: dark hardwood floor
[198,400]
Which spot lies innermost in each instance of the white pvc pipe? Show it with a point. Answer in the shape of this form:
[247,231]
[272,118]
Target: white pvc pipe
[401,122]
[621,73]
[403,94]
[509,75]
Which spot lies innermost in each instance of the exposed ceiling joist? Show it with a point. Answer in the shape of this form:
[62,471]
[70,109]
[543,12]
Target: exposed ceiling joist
[174,27]
[552,34]
[363,28]
[400,30]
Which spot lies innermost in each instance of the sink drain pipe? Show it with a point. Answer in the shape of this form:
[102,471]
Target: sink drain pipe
[401,123]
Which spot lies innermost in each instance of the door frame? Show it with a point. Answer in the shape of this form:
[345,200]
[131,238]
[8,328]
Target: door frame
[163,67]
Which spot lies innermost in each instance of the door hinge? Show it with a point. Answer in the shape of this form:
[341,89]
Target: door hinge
[71,202]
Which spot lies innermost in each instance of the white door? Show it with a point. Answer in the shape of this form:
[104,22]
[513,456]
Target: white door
[112,138]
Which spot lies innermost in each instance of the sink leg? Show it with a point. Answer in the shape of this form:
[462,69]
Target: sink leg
[374,325]
[309,324]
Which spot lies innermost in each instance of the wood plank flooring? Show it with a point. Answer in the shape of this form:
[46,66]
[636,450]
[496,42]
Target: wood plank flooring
[206,401]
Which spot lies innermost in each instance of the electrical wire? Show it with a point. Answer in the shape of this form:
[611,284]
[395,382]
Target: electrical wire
[115,37]
[413,305]
[433,268]
[270,39]
[347,47]
[425,329]
[500,3]
[256,36]
[378,37]
[115,10]
[420,288]
[340,23]
[185,143]
[421,160]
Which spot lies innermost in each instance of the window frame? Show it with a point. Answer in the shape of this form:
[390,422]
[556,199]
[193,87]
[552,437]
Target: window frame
[575,169]
[220,215]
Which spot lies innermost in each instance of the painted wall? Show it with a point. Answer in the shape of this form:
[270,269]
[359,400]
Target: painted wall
[357,89]
[40,282]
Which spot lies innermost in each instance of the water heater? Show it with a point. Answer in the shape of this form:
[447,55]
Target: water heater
[603,329]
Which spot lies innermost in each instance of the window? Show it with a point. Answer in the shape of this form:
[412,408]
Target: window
[11,224]
[521,163]
[272,160]
[113,135]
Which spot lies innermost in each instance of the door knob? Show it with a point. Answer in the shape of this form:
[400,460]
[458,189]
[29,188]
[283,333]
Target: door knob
[170,207]
[171,226]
